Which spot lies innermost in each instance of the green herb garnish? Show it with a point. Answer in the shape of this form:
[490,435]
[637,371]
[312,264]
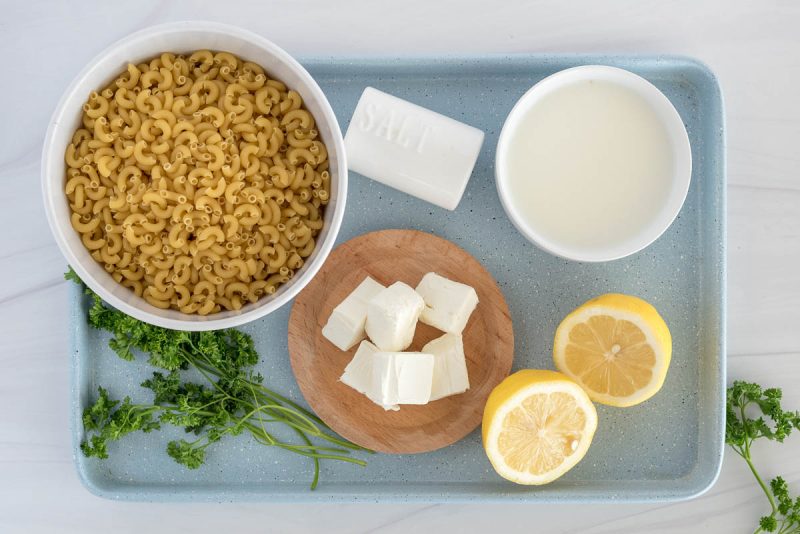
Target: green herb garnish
[232,400]
[741,430]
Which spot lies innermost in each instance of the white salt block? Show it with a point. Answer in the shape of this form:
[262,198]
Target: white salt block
[411,148]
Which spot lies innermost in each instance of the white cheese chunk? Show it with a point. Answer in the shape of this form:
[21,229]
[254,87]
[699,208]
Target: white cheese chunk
[345,326]
[383,382]
[358,373]
[392,317]
[401,378]
[448,304]
[414,377]
[410,148]
[449,366]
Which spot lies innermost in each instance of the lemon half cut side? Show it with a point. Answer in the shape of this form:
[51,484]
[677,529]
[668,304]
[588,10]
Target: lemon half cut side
[617,347]
[537,425]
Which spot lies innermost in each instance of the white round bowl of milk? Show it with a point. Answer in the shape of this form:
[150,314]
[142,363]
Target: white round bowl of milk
[593,163]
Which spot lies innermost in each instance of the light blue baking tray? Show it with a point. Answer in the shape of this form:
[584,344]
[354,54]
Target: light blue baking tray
[668,448]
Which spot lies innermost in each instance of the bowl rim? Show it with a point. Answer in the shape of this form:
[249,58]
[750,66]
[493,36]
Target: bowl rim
[213,321]
[669,116]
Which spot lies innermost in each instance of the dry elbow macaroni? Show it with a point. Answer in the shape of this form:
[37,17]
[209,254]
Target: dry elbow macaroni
[197,181]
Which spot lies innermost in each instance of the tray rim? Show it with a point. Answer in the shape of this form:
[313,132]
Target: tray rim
[632,495]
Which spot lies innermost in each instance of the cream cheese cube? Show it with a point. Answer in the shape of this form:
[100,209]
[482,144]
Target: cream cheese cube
[383,382]
[414,377]
[449,366]
[358,373]
[448,304]
[401,378]
[345,326]
[392,317]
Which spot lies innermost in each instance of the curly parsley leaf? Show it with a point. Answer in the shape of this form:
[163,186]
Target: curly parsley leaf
[754,413]
[110,420]
[185,453]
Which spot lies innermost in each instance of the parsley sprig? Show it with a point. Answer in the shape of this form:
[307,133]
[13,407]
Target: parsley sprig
[232,399]
[741,430]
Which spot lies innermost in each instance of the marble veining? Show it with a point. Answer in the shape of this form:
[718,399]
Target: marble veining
[754,50]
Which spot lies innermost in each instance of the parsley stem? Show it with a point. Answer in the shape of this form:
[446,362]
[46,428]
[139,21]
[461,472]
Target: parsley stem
[301,450]
[315,459]
[748,459]
[298,412]
[294,405]
[215,370]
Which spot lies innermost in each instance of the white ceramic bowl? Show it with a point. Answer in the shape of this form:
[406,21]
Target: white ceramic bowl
[185,37]
[681,157]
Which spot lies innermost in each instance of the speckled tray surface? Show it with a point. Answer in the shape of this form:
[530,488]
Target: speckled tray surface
[668,448]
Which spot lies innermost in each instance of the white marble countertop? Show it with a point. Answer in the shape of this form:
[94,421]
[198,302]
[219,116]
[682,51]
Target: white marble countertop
[754,47]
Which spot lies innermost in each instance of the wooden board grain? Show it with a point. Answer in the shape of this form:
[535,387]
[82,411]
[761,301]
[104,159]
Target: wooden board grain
[389,256]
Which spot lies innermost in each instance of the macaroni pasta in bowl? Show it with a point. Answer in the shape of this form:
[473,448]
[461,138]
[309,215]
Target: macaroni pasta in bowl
[197,181]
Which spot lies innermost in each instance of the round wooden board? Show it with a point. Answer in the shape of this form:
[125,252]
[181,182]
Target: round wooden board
[389,256]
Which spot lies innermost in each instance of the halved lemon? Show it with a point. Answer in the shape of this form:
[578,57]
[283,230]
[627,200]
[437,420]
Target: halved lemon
[617,347]
[537,425]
